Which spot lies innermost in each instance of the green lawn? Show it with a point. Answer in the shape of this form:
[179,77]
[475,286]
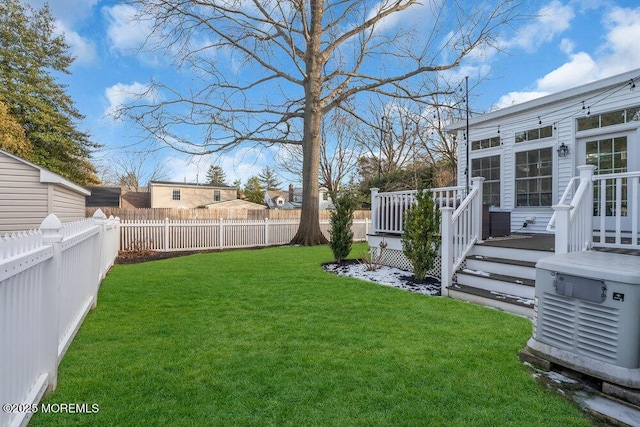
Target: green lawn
[265,337]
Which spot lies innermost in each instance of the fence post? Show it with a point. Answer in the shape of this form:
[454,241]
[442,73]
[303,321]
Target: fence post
[166,234]
[100,220]
[366,228]
[563,214]
[374,210]
[221,233]
[51,229]
[266,231]
[446,272]
[477,209]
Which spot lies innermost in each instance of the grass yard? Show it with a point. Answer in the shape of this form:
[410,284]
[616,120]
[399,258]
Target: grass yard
[266,337]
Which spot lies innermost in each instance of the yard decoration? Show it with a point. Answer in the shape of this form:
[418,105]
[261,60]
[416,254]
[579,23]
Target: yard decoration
[345,204]
[421,237]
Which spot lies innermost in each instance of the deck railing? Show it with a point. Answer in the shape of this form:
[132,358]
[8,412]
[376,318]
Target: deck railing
[461,228]
[49,280]
[387,209]
[461,224]
[616,208]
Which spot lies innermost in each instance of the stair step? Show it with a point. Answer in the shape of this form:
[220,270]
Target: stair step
[524,255]
[501,301]
[502,266]
[503,261]
[500,283]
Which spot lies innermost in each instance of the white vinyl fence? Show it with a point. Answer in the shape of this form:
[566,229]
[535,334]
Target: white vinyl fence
[166,236]
[49,280]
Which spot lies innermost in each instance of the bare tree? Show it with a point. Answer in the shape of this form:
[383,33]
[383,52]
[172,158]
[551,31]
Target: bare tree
[339,152]
[130,170]
[287,63]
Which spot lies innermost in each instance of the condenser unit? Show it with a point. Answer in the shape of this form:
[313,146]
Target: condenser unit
[587,314]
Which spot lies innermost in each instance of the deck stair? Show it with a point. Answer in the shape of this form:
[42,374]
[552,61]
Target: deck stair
[501,273]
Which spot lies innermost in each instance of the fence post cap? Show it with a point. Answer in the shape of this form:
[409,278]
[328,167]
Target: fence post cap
[99,215]
[51,223]
[51,229]
[562,207]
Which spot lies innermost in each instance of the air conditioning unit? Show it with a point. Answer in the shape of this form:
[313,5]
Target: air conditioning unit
[587,315]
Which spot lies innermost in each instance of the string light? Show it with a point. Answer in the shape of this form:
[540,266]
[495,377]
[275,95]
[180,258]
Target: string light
[570,109]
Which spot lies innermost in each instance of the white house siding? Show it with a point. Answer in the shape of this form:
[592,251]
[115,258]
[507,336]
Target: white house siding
[562,111]
[67,205]
[23,200]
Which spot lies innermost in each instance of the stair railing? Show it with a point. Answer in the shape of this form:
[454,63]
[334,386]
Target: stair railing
[461,228]
[572,221]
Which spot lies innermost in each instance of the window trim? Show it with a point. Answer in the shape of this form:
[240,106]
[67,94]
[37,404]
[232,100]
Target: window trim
[516,179]
[175,194]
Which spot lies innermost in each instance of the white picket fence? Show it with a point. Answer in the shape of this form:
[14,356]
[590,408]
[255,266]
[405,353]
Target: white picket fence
[49,280]
[166,236]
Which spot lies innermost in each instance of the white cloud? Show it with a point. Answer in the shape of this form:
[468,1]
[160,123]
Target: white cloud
[83,49]
[580,69]
[126,33]
[617,54]
[552,20]
[513,98]
[121,94]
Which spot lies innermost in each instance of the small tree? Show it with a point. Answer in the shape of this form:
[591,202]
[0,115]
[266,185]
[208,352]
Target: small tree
[253,191]
[421,238]
[341,233]
[215,175]
[269,180]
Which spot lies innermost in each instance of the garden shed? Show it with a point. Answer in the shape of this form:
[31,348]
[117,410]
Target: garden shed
[28,193]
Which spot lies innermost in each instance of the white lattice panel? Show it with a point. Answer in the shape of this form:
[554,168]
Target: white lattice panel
[397,259]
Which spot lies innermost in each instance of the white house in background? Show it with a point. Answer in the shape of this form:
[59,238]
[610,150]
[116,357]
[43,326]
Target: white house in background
[564,168]
[528,153]
[29,193]
[292,199]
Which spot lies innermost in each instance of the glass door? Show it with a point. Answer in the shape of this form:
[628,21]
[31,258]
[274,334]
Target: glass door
[610,154]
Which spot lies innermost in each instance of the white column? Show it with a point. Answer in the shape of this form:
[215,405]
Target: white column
[446,248]
[563,213]
[586,173]
[374,210]
[477,209]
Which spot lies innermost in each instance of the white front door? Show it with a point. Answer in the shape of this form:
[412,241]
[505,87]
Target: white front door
[610,154]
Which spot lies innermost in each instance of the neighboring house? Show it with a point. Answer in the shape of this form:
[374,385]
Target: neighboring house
[183,195]
[29,193]
[104,197]
[295,197]
[276,199]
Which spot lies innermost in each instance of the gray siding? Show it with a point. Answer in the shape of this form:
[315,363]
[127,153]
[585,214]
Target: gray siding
[23,199]
[68,205]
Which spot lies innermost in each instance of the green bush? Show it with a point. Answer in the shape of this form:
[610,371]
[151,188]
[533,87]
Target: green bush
[341,220]
[421,237]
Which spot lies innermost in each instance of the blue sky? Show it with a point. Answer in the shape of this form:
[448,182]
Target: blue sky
[568,44]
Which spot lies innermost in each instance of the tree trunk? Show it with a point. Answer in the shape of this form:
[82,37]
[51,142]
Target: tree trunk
[309,233]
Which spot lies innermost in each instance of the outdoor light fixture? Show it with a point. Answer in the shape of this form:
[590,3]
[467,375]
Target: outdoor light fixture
[563,150]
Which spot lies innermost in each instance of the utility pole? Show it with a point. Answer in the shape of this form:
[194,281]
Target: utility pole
[467,171]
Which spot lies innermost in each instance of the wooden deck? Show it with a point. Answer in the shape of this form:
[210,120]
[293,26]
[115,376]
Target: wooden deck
[542,242]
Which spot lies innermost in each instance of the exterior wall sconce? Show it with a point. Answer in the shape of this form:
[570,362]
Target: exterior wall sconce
[563,150]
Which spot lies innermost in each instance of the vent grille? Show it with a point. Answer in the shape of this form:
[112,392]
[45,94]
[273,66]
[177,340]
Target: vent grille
[586,328]
[597,328]
[558,320]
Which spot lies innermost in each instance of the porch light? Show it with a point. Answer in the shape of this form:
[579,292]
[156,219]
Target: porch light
[563,150]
